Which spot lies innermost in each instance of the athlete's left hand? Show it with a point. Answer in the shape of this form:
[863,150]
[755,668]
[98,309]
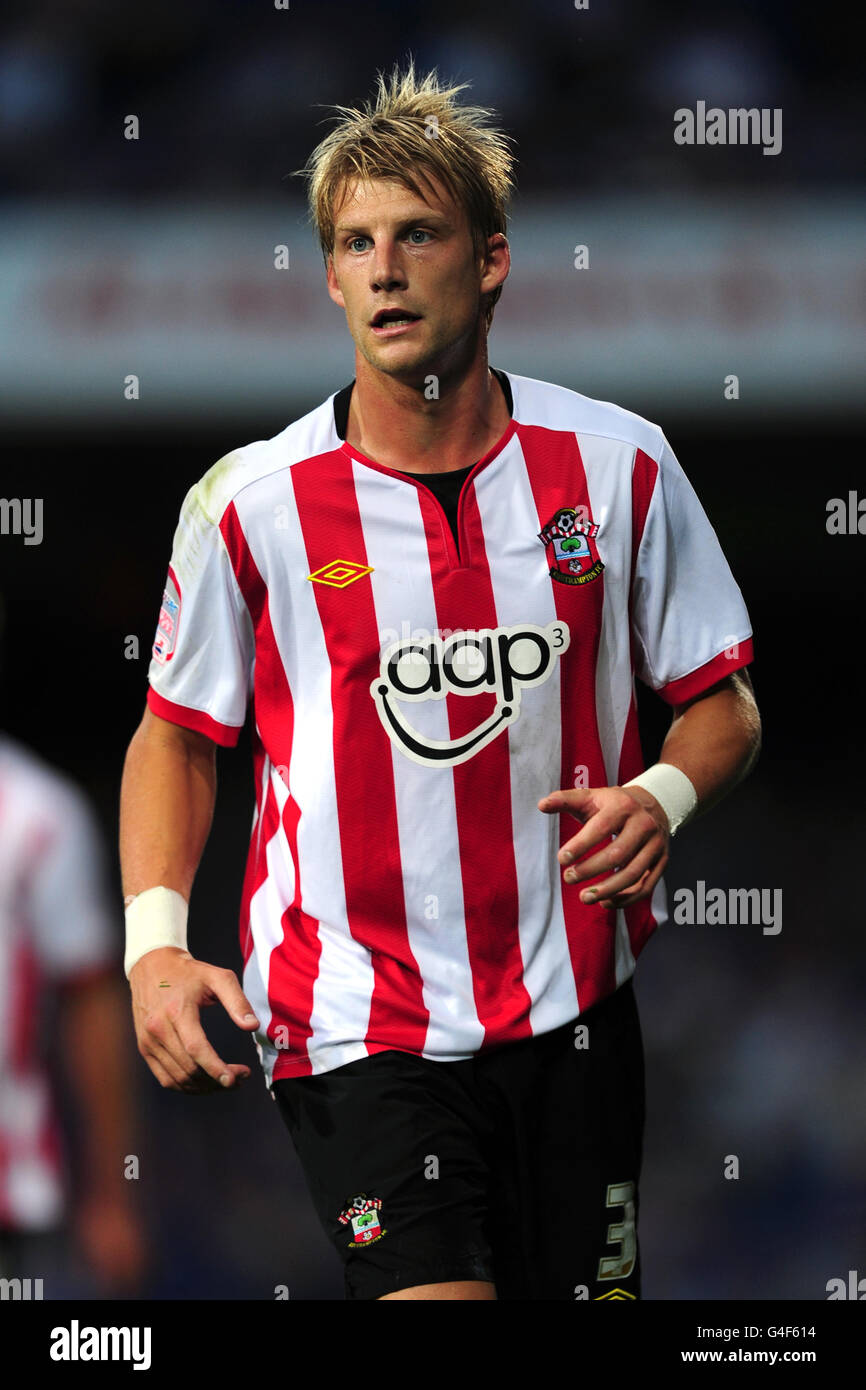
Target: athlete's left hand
[638,854]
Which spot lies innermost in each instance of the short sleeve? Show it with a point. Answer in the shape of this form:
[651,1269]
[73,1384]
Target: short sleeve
[202,660]
[690,625]
[67,903]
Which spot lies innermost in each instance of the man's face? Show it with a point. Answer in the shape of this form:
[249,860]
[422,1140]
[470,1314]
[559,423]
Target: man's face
[393,249]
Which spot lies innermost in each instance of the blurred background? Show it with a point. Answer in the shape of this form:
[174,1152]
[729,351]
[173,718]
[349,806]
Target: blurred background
[154,257]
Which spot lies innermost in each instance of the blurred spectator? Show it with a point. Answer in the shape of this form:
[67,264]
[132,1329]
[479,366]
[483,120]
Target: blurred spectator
[62,1000]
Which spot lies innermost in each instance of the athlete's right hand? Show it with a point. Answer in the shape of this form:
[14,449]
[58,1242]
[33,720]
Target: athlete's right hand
[169,988]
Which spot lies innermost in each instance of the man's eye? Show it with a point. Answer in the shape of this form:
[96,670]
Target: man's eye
[418,231]
[354,242]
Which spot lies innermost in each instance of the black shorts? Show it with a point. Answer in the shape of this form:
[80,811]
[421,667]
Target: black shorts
[519,1166]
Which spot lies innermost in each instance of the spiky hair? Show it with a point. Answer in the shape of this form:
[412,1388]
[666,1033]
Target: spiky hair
[413,131]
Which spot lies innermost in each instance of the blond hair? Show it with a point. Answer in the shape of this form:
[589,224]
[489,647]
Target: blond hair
[415,126]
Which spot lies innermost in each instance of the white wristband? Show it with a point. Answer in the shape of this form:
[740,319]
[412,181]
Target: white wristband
[155,918]
[672,789]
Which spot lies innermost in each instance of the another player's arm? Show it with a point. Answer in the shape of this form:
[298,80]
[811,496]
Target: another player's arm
[167,801]
[714,739]
[95,1049]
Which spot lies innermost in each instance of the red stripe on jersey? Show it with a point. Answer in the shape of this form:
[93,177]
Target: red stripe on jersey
[223,734]
[295,968]
[644,476]
[551,457]
[293,964]
[696,682]
[24,978]
[363,770]
[464,599]
[257,865]
[272,698]
[640,920]
[23,1013]
[7,1217]
[643,481]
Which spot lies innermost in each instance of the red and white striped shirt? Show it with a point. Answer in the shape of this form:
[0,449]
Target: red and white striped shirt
[413,699]
[55,931]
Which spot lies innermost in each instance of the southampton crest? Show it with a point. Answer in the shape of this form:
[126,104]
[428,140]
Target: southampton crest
[363,1212]
[570,541]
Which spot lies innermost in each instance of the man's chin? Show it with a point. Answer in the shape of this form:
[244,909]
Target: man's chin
[412,366]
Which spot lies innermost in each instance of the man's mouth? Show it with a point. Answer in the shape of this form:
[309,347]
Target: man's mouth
[386,319]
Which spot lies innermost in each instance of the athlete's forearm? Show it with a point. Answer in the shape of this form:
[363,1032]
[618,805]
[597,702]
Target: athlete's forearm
[97,1055]
[167,800]
[716,740]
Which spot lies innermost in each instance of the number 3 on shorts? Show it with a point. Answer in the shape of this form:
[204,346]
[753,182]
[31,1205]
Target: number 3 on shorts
[622,1233]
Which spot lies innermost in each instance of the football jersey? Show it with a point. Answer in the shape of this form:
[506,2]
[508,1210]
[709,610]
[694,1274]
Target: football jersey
[413,696]
[446,487]
[55,930]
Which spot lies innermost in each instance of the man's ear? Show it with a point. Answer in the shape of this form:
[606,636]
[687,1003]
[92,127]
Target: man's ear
[494,259]
[333,288]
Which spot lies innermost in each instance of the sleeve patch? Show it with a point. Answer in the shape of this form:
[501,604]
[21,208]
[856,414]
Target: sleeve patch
[165,641]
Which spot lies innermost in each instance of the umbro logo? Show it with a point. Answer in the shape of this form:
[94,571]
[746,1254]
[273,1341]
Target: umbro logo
[339,573]
[502,661]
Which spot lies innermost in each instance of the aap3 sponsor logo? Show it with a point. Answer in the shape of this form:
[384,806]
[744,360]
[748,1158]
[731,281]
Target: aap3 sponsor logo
[502,661]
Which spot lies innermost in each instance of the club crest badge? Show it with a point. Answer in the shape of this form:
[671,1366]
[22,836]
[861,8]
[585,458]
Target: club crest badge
[363,1212]
[569,537]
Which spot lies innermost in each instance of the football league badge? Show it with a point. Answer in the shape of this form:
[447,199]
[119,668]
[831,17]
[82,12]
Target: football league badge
[165,640]
[363,1212]
[571,551]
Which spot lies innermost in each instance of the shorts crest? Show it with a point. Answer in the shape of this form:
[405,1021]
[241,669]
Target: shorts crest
[363,1212]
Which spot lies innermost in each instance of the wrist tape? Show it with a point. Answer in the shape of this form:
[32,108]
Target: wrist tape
[672,789]
[155,918]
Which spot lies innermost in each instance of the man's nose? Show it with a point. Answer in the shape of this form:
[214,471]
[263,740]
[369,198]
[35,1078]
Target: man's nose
[386,269]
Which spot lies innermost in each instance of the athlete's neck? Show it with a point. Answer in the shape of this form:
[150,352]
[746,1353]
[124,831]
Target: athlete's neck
[398,426]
